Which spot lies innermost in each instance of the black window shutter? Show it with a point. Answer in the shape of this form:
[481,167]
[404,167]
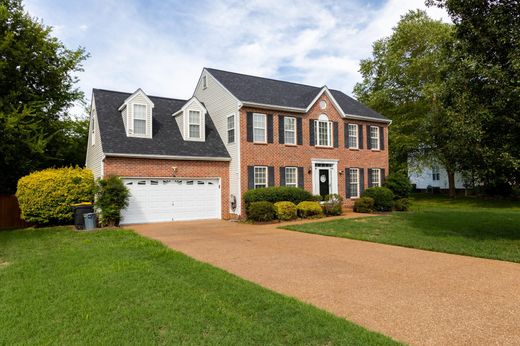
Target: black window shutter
[299,131]
[249,123]
[251,177]
[335,132]
[347,182]
[346,135]
[270,173]
[282,176]
[382,138]
[281,133]
[269,128]
[361,181]
[300,177]
[360,136]
[382,176]
[369,172]
[369,145]
[312,141]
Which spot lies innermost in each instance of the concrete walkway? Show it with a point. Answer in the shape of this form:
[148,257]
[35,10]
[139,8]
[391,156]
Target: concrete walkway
[418,297]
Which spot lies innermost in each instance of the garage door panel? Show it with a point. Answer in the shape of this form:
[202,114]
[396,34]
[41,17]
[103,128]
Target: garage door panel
[153,200]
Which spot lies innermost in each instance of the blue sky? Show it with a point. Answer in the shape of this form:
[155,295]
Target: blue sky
[162,46]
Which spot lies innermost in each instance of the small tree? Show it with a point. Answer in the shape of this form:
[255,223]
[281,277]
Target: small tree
[111,197]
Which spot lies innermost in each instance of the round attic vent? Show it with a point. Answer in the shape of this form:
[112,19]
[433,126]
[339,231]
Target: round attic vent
[323,104]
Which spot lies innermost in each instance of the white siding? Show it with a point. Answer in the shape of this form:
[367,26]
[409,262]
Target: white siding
[220,104]
[422,177]
[125,118]
[94,160]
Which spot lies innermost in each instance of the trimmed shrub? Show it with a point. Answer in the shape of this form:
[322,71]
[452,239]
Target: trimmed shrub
[308,209]
[46,197]
[399,184]
[277,194]
[316,198]
[364,205]
[333,205]
[402,204]
[111,197]
[383,198]
[261,211]
[285,210]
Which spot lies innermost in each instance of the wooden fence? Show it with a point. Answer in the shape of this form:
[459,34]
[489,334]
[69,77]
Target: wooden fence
[10,213]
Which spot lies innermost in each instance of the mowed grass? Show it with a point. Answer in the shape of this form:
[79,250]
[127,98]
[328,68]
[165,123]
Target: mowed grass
[114,287]
[467,226]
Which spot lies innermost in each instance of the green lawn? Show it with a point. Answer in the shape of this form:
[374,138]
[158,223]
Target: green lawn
[58,286]
[466,226]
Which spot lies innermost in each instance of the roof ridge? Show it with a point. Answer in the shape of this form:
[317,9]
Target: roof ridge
[130,93]
[266,78]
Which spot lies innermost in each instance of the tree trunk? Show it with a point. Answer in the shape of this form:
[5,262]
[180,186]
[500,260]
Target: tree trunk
[451,184]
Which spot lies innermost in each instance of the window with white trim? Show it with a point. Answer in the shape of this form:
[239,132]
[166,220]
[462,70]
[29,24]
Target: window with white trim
[354,182]
[260,177]
[291,176]
[259,128]
[289,125]
[139,119]
[194,124]
[93,132]
[353,136]
[374,137]
[324,133]
[436,174]
[376,177]
[231,128]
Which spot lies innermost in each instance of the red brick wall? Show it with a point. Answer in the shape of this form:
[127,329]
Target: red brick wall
[281,155]
[133,167]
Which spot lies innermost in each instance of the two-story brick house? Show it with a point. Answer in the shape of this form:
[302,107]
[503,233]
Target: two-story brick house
[193,159]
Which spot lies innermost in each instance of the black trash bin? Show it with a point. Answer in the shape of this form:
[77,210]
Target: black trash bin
[79,211]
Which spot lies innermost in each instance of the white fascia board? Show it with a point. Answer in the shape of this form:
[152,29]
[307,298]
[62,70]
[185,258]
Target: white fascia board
[329,94]
[218,82]
[138,91]
[273,107]
[359,117]
[169,157]
[189,102]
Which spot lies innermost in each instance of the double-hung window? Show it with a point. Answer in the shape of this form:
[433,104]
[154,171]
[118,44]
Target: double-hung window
[260,177]
[291,176]
[376,177]
[324,133]
[139,119]
[231,128]
[354,182]
[374,137]
[436,175]
[289,130]
[353,136]
[194,122]
[259,128]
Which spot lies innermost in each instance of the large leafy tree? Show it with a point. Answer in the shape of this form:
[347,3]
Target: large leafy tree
[405,79]
[485,85]
[37,86]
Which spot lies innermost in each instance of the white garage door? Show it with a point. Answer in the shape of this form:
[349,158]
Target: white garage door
[158,200]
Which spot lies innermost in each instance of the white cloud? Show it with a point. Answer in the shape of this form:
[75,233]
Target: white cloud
[163,48]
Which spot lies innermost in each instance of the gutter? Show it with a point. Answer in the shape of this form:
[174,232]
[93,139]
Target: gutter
[168,157]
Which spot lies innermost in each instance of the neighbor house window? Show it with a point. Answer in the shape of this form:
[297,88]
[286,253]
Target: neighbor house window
[289,130]
[354,182]
[436,175]
[231,129]
[376,177]
[139,119]
[260,177]
[374,137]
[194,127]
[353,136]
[93,132]
[259,128]
[324,133]
[291,176]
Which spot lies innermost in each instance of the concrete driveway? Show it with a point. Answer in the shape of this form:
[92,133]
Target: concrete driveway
[418,297]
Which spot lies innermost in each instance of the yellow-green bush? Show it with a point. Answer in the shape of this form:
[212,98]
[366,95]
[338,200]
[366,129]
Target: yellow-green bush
[45,197]
[285,210]
[309,209]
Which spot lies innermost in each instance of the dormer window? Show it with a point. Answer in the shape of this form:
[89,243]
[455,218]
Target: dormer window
[194,119]
[139,119]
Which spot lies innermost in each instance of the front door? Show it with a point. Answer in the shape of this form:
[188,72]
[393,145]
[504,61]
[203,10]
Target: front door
[324,182]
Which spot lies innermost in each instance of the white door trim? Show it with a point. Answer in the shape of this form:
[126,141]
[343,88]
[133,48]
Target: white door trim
[333,175]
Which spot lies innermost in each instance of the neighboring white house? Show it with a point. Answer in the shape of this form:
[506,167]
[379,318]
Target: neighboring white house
[434,175]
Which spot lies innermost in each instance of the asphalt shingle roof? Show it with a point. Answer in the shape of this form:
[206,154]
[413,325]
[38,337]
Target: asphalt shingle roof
[166,138]
[273,92]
